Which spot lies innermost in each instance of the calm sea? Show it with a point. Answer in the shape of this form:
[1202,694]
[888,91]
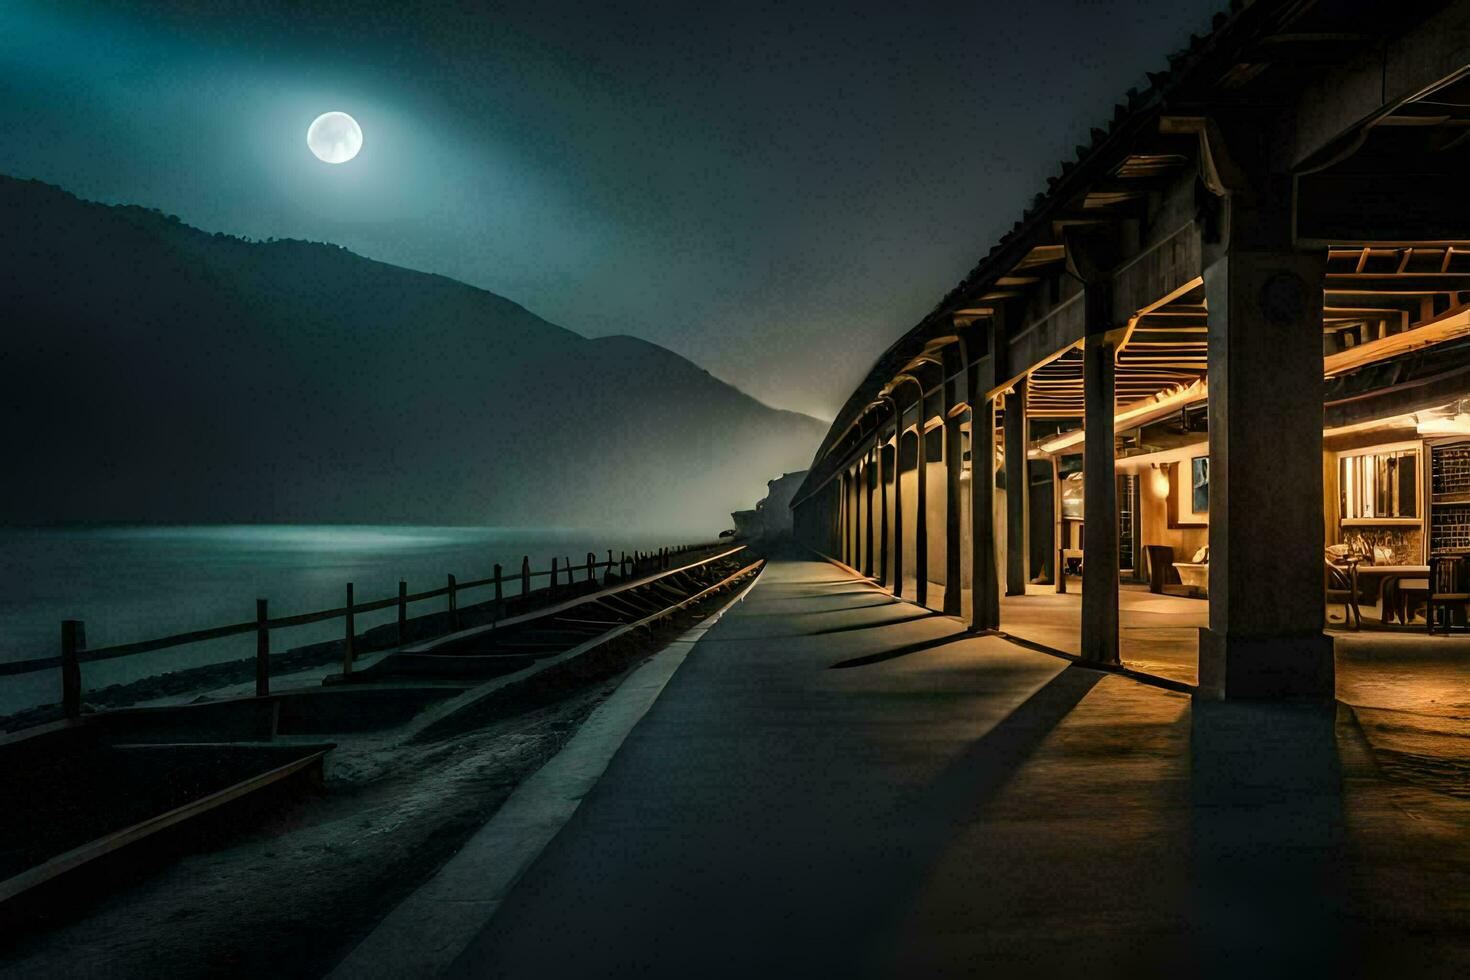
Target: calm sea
[137,583]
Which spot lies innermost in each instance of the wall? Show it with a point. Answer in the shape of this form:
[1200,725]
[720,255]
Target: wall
[936,485]
[1153,509]
[778,501]
[1153,512]
[909,478]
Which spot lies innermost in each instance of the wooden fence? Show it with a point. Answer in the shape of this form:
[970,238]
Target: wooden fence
[74,650]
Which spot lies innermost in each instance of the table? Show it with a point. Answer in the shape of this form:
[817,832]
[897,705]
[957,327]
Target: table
[1387,577]
[1195,576]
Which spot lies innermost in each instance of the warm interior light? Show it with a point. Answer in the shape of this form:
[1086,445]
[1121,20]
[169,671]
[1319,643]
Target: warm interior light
[1140,412]
[1448,425]
[1159,483]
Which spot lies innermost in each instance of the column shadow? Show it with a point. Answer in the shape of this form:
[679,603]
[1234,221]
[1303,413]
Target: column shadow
[1268,834]
[818,612]
[854,627]
[900,651]
[962,789]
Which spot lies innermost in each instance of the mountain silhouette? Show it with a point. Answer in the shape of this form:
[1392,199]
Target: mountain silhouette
[156,372]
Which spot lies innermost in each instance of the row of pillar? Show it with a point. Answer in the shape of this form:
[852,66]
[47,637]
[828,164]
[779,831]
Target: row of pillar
[1265,428]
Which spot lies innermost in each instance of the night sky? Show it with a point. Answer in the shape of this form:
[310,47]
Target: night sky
[773,190]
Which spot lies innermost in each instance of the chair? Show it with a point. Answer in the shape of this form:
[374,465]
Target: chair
[1408,595]
[1160,560]
[1342,586]
[1449,588]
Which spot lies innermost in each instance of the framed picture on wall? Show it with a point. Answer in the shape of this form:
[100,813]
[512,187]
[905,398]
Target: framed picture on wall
[1199,485]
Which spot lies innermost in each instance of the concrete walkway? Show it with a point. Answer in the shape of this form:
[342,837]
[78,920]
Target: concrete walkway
[839,784]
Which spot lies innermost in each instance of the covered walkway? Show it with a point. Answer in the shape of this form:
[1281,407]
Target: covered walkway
[839,783]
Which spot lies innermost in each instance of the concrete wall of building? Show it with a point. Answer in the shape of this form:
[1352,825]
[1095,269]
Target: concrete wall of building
[748,524]
[779,493]
[909,480]
[937,499]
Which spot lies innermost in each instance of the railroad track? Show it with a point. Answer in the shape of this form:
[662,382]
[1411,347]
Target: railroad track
[178,765]
[513,645]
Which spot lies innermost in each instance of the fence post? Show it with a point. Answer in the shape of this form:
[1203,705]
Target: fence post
[525,575]
[73,638]
[609,563]
[347,652]
[499,595]
[553,578]
[570,583]
[402,611]
[262,650]
[591,561]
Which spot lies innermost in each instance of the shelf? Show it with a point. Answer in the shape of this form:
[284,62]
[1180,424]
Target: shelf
[1381,522]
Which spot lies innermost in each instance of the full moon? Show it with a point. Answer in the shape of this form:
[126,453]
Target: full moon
[334,137]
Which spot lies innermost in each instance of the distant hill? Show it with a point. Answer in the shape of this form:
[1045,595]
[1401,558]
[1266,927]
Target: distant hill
[154,372]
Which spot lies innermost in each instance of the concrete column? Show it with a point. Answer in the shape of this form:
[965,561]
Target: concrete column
[898,529]
[835,518]
[882,512]
[866,488]
[1265,636]
[921,522]
[1099,501]
[984,577]
[953,462]
[845,523]
[1018,487]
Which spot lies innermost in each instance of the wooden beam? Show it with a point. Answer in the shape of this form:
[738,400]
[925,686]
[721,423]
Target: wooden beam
[1448,326]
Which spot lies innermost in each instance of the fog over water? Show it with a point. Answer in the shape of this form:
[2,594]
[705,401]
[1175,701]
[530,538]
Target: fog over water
[137,583]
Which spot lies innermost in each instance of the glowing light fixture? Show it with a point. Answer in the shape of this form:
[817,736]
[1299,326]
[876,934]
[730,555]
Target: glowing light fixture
[1159,482]
[1457,423]
[1155,406]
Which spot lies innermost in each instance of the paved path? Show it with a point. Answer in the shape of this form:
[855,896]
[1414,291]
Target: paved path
[839,784]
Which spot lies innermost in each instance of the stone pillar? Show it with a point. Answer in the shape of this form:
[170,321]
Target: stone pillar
[1099,496]
[921,510]
[984,577]
[838,506]
[1265,636]
[953,463]
[844,552]
[866,488]
[954,392]
[882,472]
[897,498]
[1018,491]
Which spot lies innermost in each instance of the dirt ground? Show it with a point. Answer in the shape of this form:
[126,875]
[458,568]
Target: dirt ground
[291,896]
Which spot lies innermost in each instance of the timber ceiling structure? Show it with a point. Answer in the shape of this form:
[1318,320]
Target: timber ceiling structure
[1380,187]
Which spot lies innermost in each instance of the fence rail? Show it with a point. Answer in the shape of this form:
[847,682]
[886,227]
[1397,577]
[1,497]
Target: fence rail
[74,652]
